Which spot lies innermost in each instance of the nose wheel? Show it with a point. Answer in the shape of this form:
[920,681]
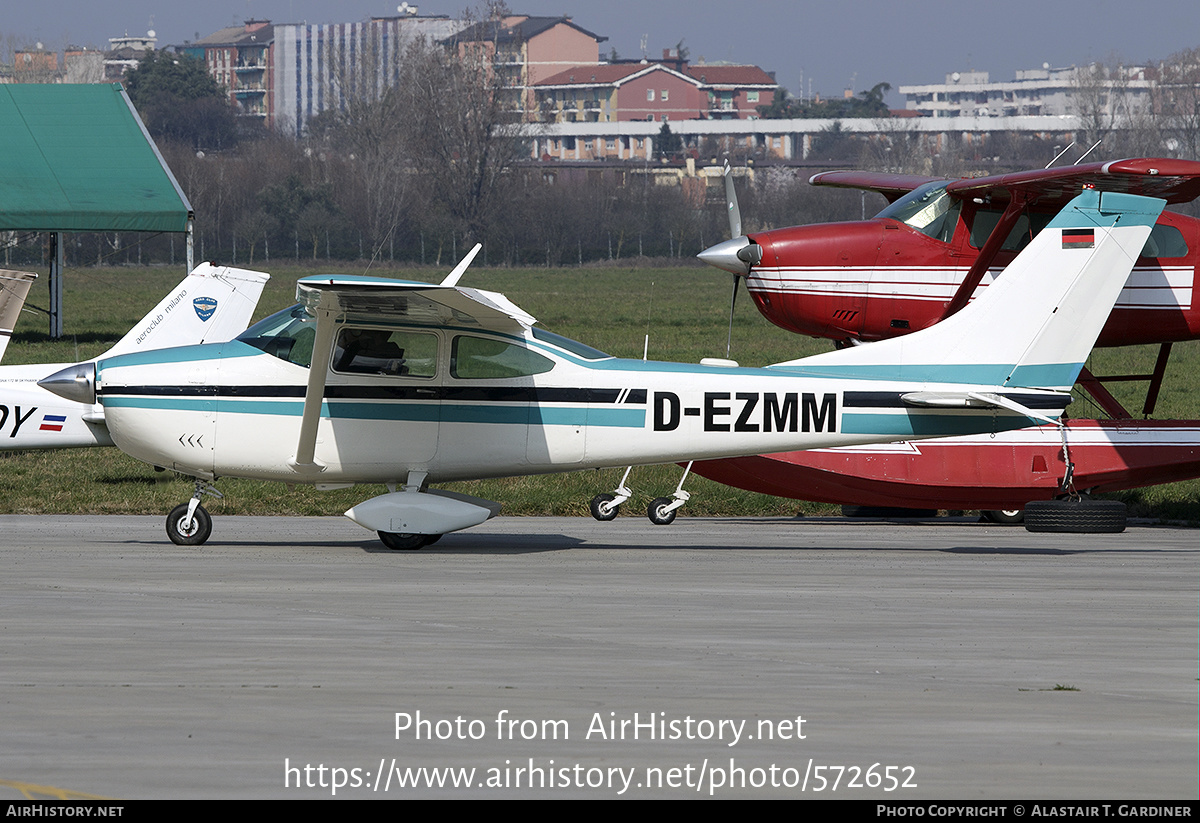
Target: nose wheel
[189,524]
[188,528]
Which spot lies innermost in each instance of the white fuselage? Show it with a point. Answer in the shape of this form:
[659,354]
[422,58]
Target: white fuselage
[232,410]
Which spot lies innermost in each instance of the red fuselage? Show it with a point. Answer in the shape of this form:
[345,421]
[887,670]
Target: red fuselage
[901,271]
[879,278]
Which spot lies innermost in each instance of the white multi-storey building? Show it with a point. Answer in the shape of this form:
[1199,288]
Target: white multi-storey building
[310,60]
[1045,91]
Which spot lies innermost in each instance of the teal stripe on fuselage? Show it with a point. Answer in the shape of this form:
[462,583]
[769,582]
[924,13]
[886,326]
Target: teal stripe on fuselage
[182,354]
[1047,375]
[426,412]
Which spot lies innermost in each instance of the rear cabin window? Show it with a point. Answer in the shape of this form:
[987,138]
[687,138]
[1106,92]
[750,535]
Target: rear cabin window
[1164,241]
[485,358]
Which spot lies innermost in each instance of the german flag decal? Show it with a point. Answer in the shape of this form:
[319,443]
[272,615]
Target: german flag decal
[1078,238]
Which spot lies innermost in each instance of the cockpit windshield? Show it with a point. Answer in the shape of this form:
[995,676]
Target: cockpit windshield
[288,335]
[928,209]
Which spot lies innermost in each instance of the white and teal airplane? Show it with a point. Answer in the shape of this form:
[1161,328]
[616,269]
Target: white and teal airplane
[212,304]
[369,380]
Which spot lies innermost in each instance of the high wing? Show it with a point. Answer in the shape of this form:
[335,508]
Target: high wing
[333,299]
[891,186]
[1176,181]
[367,299]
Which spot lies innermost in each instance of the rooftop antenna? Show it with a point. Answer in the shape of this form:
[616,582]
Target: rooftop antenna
[1089,151]
[1060,154]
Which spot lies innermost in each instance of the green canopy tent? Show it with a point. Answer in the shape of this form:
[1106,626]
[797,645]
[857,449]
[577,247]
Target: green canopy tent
[78,158]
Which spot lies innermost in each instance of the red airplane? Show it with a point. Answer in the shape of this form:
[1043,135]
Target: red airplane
[923,258]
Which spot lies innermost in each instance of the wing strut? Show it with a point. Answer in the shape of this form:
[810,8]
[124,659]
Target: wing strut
[987,254]
[314,395]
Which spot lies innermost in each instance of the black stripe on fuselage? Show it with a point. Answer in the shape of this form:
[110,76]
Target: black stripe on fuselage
[478,394]
[892,400]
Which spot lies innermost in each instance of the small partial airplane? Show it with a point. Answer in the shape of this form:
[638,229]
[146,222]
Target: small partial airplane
[373,380]
[212,304]
[14,288]
[923,258]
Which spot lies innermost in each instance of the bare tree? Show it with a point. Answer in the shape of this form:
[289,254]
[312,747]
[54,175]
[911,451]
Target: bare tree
[1103,100]
[1178,102]
[369,127]
[465,134]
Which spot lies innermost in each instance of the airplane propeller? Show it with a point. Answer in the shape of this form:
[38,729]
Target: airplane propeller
[738,255]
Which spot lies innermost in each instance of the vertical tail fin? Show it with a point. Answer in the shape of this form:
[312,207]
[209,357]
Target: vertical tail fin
[1035,325]
[212,304]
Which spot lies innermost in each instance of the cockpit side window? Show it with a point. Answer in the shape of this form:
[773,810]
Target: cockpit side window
[396,353]
[1020,235]
[929,210]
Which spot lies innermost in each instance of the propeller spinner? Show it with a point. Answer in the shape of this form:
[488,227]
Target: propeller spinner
[739,254]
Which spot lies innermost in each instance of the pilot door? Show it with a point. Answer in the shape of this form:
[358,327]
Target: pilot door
[382,407]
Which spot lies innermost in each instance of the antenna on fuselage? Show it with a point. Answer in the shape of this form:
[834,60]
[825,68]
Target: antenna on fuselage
[1060,154]
[1089,151]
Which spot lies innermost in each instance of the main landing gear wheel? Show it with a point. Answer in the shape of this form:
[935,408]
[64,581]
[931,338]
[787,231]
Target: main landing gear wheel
[1005,517]
[1076,516]
[196,533]
[402,542]
[603,508]
[659,514]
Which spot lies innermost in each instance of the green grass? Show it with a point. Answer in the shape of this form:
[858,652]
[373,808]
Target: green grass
[683,309]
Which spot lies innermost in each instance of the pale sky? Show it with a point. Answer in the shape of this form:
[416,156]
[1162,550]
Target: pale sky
[828,45]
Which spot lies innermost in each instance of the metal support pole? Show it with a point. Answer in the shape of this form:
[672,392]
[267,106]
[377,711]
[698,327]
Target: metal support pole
[56,285]
[191,233]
